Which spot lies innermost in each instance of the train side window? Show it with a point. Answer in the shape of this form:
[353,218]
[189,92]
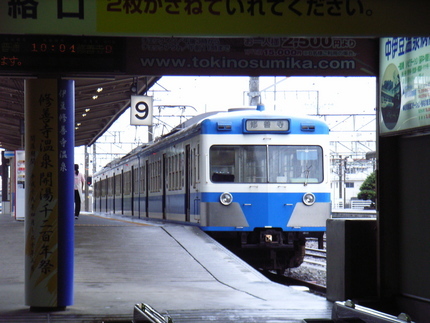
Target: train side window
[118,179]
[222,162]
[110,186]
[103,187]
[135,180]
[181,171]
[127,182]
[197,162]
[143,179]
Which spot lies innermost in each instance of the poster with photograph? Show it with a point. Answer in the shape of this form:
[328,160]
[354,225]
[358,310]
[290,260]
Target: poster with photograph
[404,84]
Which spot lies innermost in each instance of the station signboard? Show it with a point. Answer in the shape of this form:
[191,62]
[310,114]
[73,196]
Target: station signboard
[141,110]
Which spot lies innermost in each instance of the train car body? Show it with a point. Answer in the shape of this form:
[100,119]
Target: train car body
[254,180]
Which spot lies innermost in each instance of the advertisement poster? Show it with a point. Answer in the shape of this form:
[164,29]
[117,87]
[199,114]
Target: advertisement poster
[20,185]
[404,84]
[259,56]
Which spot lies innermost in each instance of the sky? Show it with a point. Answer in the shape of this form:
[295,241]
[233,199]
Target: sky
[333,96]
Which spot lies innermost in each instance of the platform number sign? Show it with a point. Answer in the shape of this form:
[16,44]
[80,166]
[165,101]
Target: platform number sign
[141,110]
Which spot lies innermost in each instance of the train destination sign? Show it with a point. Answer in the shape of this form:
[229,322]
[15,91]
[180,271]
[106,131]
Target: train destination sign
[61,54]
[267,125]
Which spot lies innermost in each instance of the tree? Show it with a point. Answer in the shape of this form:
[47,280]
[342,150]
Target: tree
[368,188]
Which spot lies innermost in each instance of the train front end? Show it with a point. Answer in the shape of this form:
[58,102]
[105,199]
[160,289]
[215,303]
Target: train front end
[267,185]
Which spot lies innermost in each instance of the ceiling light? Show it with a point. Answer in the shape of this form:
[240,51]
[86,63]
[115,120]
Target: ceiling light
[84,114]
[87,110]
[95,97]
[99,89]
[133,88]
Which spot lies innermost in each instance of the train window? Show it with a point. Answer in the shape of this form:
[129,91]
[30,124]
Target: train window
[151,178]
[238,164]
[194,167]
[142,179]
[155,176]
[135,180]
[182,171]
[127,182]
[118,183]
[295,164]
[110,186]
[197,169]
[96,189]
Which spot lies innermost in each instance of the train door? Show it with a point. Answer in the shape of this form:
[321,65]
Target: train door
[112,192]
[188,170]
[122,192]
[164,184]
[105,195]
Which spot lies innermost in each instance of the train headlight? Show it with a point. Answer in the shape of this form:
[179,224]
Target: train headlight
[226,198]
[309,199]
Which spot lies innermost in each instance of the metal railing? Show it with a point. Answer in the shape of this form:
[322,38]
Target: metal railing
[145,313]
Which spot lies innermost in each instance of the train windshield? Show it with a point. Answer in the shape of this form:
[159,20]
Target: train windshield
[266,164]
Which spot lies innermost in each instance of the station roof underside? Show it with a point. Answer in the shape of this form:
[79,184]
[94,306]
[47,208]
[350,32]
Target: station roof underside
[92,116]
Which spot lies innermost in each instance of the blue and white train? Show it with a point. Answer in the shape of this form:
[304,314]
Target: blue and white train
[256,181]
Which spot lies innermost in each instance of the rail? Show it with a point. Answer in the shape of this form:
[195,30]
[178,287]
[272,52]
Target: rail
[143,313]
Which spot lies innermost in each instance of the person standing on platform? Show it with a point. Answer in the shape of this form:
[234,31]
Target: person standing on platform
[79,187]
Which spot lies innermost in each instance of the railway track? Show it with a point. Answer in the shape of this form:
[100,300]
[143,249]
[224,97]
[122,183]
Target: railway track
[316,257]
[314,264]
[312,272]
[292,281]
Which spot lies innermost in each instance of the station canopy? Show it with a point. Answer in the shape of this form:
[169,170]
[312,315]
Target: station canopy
[98,103]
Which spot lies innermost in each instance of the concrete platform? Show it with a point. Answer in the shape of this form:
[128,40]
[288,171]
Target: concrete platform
[178,270]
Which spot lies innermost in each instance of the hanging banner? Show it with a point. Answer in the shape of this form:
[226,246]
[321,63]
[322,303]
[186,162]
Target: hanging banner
[404,84]
[49,221]
[230,18]
[141,110]
[261,56]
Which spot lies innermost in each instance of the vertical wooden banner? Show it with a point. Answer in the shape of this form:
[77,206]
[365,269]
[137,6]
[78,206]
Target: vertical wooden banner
[49,222]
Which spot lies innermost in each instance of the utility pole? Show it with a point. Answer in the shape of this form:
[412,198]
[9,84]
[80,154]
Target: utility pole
[94,158]
[254,91]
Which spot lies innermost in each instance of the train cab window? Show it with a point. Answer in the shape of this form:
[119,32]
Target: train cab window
[266,164]
[238,164]
[295,164]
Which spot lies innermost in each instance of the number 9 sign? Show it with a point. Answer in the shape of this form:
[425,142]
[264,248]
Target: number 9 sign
[141,110]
